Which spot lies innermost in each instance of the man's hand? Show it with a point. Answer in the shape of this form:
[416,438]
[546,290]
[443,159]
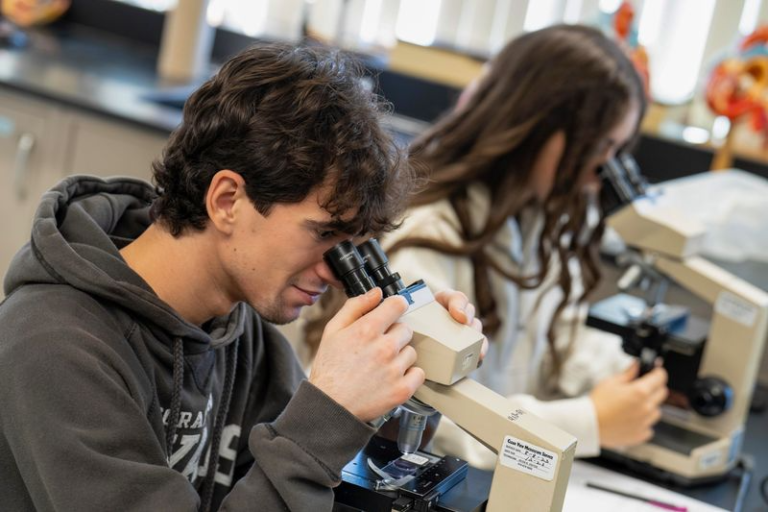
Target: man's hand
[364,361]
[627,408]
[462,311]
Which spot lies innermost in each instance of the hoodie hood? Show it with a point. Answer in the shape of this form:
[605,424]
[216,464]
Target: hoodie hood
[78,230]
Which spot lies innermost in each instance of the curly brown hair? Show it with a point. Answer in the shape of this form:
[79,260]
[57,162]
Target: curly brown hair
[288,120]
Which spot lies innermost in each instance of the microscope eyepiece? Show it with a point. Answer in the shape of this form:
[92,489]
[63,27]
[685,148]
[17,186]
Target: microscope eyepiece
[622,183]
[377,265]
[349,268]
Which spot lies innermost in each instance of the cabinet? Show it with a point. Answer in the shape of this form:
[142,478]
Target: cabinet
[28,146]
[105,148]
[41,142]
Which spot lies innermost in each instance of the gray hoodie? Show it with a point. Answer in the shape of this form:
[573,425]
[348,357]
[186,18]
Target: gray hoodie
[109,400]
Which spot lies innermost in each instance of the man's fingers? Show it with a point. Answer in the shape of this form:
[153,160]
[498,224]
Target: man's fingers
[382,317]
[413,379]
[457,304]
[406,358]
[401,334]
[646,435]
[469,313]
[354,309]
[654,417]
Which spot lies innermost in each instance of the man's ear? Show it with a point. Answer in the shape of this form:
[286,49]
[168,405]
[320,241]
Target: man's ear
[225,196]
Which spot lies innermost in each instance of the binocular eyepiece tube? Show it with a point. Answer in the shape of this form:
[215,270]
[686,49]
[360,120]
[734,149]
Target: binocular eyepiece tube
[348,266]
[622,183]
[362,268]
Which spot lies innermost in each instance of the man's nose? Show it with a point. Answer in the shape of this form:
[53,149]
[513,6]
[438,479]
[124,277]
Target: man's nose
[326,274]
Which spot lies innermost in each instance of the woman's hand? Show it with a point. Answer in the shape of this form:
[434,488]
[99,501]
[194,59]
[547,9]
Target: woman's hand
[628,407]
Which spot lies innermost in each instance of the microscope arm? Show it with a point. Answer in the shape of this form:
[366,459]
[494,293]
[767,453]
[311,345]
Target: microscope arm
[706,279]
[737,331]
[535,457]
[671,243]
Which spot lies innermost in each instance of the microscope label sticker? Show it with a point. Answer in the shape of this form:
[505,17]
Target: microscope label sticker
[736,309]
[528,458]
[711,459]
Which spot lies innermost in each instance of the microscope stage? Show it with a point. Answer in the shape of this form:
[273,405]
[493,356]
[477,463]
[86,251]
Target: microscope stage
[416,482]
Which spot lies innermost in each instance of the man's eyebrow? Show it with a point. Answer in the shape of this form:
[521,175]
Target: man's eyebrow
[346,227]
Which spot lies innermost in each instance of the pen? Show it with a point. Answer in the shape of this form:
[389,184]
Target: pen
[655,503]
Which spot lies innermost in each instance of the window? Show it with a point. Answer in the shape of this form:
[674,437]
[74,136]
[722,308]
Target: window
[417,21]
[749,16]
[675,33]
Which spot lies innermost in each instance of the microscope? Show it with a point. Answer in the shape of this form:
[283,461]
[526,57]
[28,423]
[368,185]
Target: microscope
[534,458]
[712,363]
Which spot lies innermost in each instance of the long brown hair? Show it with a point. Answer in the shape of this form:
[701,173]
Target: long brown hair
[563,78]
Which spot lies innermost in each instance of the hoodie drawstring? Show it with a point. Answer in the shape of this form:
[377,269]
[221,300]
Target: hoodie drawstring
[218,426]
[178,384]
[221,413]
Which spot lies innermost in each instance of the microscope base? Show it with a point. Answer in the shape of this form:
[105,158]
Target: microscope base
[680,456]
[656,474]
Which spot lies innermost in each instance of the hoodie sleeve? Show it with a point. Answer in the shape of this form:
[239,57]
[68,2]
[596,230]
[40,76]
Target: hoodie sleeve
[299,456]
[75,432]
[74,424]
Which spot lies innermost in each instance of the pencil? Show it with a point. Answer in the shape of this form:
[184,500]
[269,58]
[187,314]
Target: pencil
[655,503]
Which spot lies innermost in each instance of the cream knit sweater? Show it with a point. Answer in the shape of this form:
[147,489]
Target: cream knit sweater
[519,355]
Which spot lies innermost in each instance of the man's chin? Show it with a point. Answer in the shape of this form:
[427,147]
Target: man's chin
[284,317]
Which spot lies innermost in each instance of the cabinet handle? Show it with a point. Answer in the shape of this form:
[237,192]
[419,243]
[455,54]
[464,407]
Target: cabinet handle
[23,150]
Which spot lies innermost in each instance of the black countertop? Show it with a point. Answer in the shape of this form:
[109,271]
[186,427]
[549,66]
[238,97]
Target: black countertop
[93,71]
[116,77]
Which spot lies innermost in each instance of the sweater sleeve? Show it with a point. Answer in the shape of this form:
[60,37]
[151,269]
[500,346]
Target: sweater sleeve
[576,416]
[594,356]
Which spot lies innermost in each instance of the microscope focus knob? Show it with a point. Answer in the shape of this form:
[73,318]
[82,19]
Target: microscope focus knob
[711,396]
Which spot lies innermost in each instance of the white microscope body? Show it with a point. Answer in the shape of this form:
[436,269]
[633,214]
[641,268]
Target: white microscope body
[704,442]
[534,457]
[713,363]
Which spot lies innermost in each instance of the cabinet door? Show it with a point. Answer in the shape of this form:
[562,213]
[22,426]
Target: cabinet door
[102,147]
[25,145]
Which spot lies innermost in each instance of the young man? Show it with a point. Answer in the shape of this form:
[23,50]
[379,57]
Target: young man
[133,373]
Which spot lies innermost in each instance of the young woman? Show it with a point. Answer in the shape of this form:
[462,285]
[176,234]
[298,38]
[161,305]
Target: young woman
[509,217]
